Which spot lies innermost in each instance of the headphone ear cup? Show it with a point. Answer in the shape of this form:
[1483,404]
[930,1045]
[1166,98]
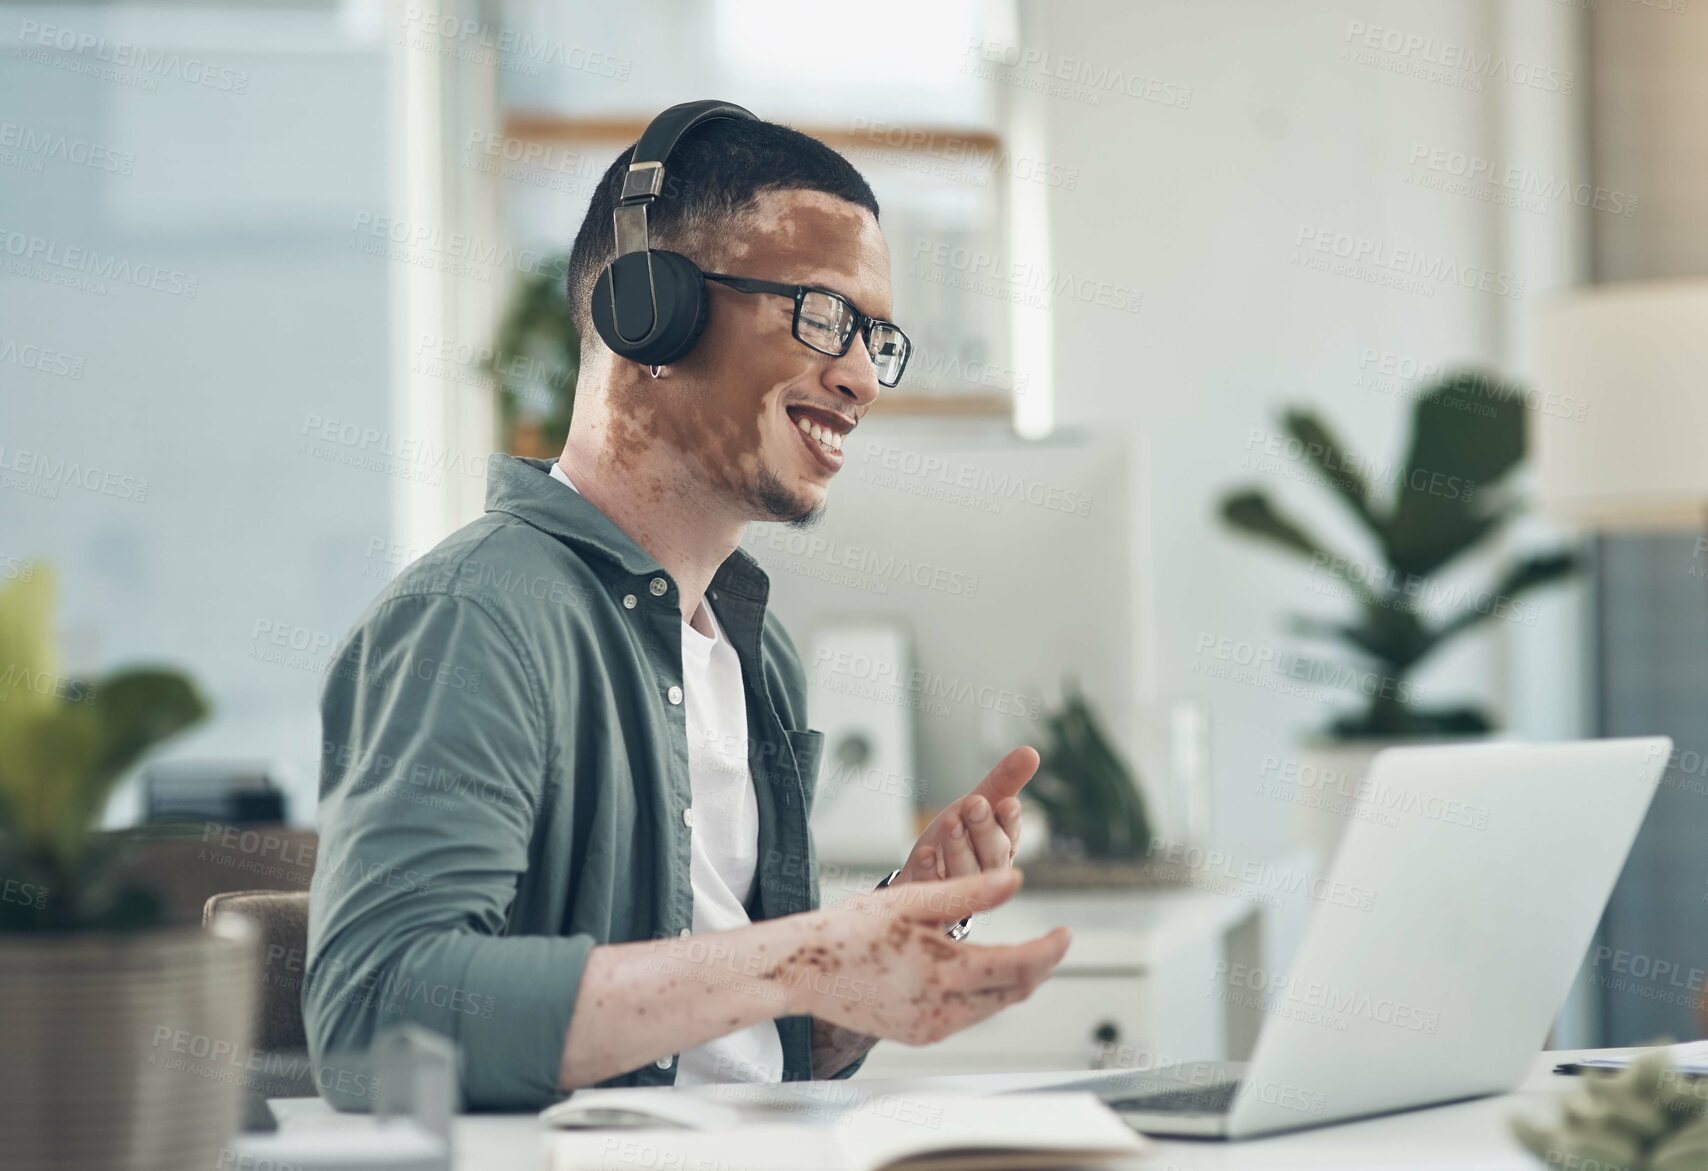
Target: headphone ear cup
[676,310]
[682,308]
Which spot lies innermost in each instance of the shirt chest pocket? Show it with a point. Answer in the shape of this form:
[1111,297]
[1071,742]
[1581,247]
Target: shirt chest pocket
[808,747]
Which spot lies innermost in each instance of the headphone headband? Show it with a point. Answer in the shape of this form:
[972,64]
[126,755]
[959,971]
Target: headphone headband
[644,180]
[665,131]
[649,307]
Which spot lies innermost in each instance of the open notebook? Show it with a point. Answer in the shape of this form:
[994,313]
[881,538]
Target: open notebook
[889,1132]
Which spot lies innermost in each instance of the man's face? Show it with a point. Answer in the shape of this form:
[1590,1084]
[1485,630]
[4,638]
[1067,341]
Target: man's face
[733,403]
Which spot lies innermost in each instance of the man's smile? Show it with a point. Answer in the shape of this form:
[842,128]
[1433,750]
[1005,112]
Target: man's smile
[821,432]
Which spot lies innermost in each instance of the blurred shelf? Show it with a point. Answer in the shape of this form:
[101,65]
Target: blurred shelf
[960,406]
[541,126]
[525,438]
[544,126]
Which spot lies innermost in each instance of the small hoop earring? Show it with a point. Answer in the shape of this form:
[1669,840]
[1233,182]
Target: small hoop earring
[654,370]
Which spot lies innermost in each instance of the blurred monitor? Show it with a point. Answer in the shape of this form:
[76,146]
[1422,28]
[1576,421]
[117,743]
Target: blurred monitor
[230,792]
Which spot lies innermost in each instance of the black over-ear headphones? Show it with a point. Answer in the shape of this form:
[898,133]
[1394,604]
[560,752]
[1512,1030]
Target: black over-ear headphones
[649,305]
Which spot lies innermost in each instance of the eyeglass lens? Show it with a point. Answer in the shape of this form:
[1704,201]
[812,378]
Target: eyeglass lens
[827,321]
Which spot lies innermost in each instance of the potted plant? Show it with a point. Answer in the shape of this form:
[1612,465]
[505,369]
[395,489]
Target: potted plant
[122,1036]
[1647,1116]
[1449,496]
[1093,808]
[534,362]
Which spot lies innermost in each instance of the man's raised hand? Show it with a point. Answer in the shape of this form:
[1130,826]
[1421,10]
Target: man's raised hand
[978,832]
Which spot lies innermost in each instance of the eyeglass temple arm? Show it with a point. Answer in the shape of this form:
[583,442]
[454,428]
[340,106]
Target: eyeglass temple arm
[752,284]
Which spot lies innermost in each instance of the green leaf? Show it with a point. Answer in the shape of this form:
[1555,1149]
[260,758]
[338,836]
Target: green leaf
[63,746]
[138,709]
[1083,815]
[1684,1150]
[1251,513]
[1472,424]
[1527,575]
[1129,825]
[1537,1139]
[1323,449]
[1088,793]
[27,665]
[1467,434]
[54,752]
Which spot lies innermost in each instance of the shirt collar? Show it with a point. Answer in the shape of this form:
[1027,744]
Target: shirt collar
[523,488]
[557,473]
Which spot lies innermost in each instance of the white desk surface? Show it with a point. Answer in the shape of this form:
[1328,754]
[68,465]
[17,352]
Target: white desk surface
[1472,1135]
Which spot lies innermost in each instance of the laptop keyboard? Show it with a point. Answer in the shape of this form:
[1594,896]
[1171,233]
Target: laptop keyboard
[1213,1099]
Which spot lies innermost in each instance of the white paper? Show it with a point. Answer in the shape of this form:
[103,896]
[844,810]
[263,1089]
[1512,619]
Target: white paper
[879,1133]
[1689,1057]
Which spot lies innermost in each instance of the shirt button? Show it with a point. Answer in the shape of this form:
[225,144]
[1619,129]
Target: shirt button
[675,694]
[658,587]
[664,1062]
[688,817]
[628,601]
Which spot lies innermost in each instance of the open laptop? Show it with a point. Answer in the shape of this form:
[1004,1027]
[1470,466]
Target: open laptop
[1478,894]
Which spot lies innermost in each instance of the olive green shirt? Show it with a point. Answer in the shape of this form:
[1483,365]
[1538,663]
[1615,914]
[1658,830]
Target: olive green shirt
[504,783]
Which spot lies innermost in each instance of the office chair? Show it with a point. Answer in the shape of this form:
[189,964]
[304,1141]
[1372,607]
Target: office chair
[281,918]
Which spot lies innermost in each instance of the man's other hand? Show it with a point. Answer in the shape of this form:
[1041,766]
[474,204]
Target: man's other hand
[977,832]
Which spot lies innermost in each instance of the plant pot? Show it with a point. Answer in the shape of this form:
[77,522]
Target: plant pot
[124,1051]
[1328,790]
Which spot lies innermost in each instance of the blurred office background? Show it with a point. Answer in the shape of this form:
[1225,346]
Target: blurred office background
[256,254]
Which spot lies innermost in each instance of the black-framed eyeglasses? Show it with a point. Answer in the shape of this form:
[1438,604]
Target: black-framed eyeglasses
[827,321]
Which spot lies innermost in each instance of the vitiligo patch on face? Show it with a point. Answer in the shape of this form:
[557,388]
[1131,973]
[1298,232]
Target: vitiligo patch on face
[721,406]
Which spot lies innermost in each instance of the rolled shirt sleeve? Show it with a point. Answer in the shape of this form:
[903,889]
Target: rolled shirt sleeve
[436,746]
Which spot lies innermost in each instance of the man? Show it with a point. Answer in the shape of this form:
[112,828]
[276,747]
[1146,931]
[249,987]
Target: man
[567,771]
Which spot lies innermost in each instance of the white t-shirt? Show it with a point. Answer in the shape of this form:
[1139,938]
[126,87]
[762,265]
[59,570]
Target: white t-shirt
[725,842]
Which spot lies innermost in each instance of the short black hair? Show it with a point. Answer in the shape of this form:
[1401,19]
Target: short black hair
[713,176]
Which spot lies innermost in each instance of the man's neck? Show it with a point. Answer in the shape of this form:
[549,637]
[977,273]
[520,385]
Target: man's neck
[662,512]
